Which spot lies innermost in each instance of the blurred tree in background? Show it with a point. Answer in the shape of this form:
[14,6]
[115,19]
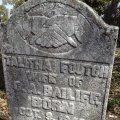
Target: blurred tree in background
[3,16]
[16,3]
[97,5]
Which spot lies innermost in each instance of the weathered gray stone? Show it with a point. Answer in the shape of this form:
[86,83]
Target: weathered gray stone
[58,58]
[1,36]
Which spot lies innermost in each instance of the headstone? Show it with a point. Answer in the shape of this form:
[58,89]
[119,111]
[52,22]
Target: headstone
[58,57]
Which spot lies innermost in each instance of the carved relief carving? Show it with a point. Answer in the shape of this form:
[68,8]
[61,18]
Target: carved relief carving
[51,30]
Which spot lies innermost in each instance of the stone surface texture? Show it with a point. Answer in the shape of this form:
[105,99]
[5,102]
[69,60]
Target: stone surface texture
[1,36]
[58,57]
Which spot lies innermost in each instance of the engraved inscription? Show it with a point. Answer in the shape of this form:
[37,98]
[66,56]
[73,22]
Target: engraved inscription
[51,65]
[53,95]
[69,94]
[61,93]
[88,70]
[30,112]
[75,81]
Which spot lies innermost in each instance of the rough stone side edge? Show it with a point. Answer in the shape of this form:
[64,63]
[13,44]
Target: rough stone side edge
[1,35]
[3,31]
[108,84]
[4,40]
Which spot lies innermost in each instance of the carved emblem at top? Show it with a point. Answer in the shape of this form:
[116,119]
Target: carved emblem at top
[53,31]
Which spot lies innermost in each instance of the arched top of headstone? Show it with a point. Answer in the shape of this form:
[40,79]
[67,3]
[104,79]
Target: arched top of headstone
[60,28]
[78,5]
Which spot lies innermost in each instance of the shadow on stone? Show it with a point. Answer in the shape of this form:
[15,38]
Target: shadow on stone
[2,83]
